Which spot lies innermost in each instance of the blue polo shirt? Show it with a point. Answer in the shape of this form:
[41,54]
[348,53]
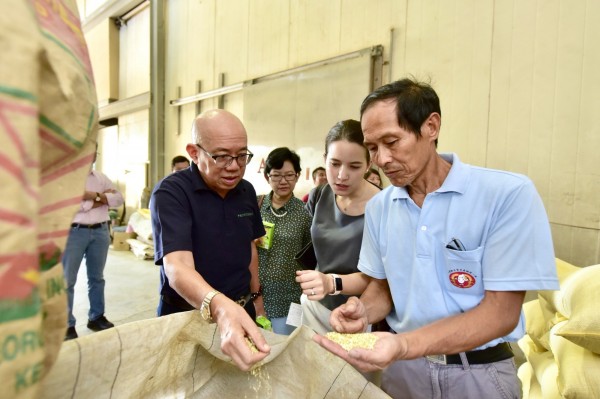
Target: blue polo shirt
[499,218]
[189,216]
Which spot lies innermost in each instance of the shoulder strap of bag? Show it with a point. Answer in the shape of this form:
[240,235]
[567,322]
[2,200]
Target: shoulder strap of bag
[261,198]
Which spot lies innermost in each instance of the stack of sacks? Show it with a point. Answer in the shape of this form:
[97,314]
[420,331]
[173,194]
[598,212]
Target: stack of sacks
[562,345]
[140,223]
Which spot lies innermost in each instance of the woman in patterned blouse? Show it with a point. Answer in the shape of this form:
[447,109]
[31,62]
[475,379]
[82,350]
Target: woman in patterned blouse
[277,267]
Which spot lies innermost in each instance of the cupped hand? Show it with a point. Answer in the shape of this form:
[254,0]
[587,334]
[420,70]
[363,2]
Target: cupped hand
[234,327]
[314,284]
[384,352]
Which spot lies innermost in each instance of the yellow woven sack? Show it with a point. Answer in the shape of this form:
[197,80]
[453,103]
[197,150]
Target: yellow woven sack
[530,385]
[578,368]
[580,301]
[536,326]
[551,299]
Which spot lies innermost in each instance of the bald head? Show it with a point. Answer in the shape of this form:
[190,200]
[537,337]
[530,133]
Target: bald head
[216,122]
[217,134]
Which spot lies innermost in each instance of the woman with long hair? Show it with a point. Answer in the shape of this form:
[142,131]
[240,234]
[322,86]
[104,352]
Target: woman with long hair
[337,211]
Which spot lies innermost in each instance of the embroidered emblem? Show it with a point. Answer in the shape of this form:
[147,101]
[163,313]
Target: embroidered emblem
[462,279]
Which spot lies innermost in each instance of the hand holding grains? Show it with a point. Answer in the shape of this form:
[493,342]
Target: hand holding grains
[251,345]
[351,341]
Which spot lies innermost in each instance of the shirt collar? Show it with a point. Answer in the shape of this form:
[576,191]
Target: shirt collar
[289,204]
[458,177]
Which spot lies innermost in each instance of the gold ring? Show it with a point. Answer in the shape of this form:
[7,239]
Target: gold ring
[312,292]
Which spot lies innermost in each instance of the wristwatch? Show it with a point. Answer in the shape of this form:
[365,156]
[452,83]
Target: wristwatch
[337,284]
[98,198]
[205,307]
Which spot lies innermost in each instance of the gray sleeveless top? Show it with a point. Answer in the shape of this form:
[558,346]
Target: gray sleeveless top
[336,238]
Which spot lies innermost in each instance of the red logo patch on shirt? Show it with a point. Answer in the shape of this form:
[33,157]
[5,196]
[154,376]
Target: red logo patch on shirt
[462,279]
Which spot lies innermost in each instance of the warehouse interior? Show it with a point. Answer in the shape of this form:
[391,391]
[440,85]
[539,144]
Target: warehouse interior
[517,81]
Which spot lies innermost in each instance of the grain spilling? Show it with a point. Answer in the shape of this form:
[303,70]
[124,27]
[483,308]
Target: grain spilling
[251,345]
[351,341]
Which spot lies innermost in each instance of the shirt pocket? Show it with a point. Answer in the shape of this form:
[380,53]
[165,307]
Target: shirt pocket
[463,272]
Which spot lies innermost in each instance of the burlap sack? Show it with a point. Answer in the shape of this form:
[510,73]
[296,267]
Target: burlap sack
[580,299]
[529,384]
[550,300]
[578,368]
[536,326]
[540,381]
[48,121]
[179,356]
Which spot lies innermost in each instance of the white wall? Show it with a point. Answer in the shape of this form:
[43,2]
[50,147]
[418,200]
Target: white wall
[516,79]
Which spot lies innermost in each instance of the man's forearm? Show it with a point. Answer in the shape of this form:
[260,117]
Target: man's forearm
[377,300]
[184,279]
[496,316]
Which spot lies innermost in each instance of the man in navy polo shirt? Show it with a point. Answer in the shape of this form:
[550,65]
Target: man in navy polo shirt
[205,220]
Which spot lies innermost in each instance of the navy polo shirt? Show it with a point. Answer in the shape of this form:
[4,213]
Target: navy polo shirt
[189,216]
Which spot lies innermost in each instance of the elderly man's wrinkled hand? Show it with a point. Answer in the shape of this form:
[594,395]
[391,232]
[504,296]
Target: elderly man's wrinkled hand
[384,352]
[350,317]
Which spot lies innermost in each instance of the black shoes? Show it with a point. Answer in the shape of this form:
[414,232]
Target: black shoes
[71,333]
[99,324]
[95,325]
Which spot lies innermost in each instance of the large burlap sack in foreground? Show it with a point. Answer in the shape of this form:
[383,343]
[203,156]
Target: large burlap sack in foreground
[48,126]
[179,356]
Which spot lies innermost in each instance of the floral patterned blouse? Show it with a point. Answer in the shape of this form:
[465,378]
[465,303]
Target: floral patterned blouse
[277,267]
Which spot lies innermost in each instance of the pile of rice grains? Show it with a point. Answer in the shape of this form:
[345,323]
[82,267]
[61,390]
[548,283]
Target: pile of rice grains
[351,341]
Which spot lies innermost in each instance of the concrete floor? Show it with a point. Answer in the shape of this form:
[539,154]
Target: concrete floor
[131,291]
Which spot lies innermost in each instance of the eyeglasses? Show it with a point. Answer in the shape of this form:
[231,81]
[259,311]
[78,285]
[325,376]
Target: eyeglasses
[223,161]
[287,177]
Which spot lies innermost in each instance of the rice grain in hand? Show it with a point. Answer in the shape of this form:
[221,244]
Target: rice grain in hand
[351,341]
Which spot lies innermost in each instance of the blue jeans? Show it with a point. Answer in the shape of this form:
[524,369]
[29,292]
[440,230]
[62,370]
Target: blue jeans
[93,244]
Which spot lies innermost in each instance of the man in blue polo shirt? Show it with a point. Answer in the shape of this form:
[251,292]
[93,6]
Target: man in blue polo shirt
[452,248]
[205,220]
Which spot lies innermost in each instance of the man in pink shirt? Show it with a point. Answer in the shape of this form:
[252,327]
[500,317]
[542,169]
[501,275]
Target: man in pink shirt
[89,236]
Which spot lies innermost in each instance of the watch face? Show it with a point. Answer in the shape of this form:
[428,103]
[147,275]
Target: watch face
[338,283]
[205,312]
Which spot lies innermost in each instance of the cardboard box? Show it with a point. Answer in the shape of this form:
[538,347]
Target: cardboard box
[120,240]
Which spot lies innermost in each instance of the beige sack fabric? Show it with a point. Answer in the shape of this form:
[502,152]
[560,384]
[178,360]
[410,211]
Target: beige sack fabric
[48,122]
[536,326]
[179,356]
[578,368]
[580,294]
[539,376]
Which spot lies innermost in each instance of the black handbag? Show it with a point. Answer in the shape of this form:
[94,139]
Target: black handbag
[306,257]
